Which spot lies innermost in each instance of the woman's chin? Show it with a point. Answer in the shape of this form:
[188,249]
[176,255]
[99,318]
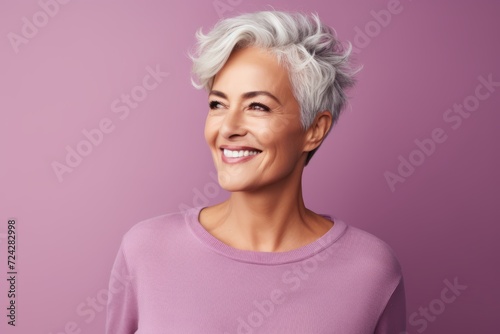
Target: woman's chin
[238,184]
[234,186]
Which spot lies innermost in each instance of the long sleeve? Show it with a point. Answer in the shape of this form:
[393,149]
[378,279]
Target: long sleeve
[122,309]
[393,318]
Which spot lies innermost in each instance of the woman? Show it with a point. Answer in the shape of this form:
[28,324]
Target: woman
[260,262]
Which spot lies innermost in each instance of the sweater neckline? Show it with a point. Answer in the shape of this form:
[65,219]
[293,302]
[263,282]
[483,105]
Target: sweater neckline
[259,257]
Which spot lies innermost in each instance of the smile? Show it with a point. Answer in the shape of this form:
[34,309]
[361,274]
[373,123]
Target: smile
[231,157]
[238,154]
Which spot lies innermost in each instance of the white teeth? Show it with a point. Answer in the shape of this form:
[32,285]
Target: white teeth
[237,154]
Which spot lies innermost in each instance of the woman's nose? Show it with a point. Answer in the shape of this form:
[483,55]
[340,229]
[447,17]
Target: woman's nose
[233,123]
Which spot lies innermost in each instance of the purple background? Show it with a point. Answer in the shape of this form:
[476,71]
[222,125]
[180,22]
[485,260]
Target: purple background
[442,221]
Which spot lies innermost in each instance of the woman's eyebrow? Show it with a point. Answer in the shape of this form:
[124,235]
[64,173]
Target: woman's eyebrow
[247,95]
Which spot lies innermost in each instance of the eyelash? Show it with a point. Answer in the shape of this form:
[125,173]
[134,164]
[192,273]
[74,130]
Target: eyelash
[213,105]
[263,106]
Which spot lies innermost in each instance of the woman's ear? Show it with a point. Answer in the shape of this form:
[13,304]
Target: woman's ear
[318,130]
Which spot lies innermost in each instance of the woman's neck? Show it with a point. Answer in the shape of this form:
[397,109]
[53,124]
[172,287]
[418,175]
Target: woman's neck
[271,220]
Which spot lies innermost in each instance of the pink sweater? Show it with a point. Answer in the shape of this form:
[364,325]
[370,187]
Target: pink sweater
[172,276]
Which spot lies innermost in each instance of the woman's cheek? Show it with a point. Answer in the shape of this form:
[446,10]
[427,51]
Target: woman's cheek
[211,128]
[267,132]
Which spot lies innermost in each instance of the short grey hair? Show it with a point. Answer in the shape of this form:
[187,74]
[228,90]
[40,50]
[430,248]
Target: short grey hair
[317,62]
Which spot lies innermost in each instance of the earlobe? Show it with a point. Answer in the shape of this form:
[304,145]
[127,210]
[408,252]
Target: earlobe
[318,130]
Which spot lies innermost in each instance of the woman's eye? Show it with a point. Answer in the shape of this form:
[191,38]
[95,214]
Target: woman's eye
[259,106]
[214,104]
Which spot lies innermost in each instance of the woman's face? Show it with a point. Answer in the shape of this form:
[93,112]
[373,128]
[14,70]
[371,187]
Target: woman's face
[253,125]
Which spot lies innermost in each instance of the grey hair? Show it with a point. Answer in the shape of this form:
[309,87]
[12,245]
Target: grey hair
[317,63]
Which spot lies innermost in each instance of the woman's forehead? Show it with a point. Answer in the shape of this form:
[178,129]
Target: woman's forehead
[253,69]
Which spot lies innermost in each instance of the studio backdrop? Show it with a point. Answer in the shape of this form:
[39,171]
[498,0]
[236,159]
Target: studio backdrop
[100,128]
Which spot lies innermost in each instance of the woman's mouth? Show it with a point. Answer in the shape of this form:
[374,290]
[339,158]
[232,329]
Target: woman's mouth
[237,156]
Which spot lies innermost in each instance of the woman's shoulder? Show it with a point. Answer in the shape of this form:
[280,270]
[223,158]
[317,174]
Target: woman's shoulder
[370,252]
[155,228]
